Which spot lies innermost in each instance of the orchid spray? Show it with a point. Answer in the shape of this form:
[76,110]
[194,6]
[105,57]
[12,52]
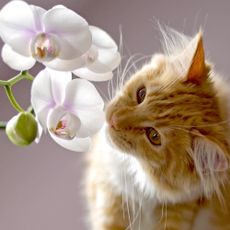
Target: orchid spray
[63,100]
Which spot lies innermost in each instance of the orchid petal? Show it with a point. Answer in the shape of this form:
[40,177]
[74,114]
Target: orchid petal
[59,6]
[76,144]
[81,94]
[91,122]
[92,76]
[106,61]
[41,91]
[83,99]
[48,88]
[67,50]
[16,30]
[38,13]
[15,60]
[75,32]
[65,65]
[59,81]
[42,115]
[107,58]
[101,39]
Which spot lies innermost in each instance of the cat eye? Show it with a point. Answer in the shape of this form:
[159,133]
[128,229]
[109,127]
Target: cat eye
[153,136]
[141,93]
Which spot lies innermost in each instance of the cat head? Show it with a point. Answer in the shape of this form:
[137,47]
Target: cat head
[168,116]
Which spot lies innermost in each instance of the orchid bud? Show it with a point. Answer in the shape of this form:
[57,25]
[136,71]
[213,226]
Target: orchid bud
[22,129]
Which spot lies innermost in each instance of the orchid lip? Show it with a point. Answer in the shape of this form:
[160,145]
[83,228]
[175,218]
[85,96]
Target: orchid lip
[66,127]
[44,47]
[62,134]
[62,131]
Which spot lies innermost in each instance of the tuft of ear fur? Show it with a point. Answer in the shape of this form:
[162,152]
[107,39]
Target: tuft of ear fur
[210,159]
[173,42]
[186,54]
[190,63]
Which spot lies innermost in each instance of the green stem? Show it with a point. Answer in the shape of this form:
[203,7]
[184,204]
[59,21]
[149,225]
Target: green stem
[8,89]
[12,99]
[17,78]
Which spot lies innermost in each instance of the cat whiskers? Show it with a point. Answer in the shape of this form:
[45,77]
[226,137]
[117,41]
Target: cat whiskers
[121,75]
[104,95]
[131,65]
[129,203]
[137,214]
[126,196]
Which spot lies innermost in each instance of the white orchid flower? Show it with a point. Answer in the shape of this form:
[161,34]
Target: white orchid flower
[55,37]
[101,59]
[71,110]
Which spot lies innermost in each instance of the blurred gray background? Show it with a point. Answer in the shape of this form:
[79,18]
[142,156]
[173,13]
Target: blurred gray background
[41,186]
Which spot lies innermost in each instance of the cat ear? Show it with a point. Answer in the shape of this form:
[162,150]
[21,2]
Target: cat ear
[209,156]
[190,63]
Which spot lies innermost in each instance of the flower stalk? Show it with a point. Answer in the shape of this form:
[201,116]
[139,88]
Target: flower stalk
[8,89]
[21,76]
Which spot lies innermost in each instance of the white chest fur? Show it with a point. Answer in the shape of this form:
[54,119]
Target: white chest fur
[132,184]
[138,191]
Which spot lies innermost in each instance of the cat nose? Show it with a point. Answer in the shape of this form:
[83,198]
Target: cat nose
[113,122]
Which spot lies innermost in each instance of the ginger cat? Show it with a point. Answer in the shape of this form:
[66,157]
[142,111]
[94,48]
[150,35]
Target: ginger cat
[161,162]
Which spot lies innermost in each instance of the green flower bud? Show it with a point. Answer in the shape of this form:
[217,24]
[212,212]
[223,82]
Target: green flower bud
[22,129]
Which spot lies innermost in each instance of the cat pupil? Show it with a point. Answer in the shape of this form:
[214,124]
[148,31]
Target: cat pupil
[141,95]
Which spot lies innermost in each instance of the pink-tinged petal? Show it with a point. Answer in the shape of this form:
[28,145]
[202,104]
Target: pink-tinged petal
[91,121]
[47,91]
[76,144]
[15,60]
[41,92]
[65,65]
[62,123]
[38,13]
[92,76]
[59,81]
[76,32]
[106,61]
[17,26]
[81,94]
